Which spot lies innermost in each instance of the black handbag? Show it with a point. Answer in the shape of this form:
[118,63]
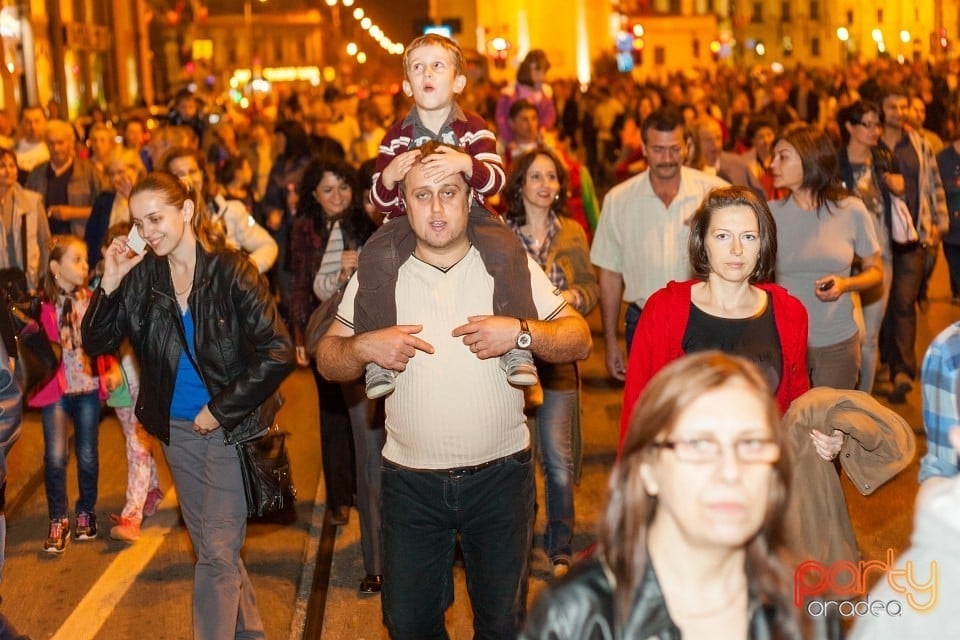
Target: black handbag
[38,358]
[265,466]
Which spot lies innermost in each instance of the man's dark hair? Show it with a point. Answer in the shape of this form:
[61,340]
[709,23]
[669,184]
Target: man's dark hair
[519,106]
[665,120]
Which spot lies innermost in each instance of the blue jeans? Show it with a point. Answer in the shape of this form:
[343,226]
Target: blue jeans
[423,511]
[555,424]
[631,319]
[84,410]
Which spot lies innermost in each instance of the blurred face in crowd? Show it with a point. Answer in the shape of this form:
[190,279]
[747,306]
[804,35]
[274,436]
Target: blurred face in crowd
[716,501]
[867,131]
[733,243]
[918,112]
[710,137]
[526,125]
[187,169]
[541,184]
[133,134]
[334,194]
[100,142]
[8,171]
[61,145]
[787,168]
[763,139]
[122,176]
[895,111]
[33,124]
[665,153]
[187,108]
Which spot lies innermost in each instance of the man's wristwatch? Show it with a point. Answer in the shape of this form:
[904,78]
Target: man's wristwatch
[524,339]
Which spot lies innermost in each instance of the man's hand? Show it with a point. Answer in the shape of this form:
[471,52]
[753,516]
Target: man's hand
[392,348]
[397,168]
[446,162]
[616,362]
[489,336]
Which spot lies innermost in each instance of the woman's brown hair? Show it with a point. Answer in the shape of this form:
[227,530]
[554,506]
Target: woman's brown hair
[176,193]
[722,198]
[58,246]
[517,178]
[622,539]
[818,156]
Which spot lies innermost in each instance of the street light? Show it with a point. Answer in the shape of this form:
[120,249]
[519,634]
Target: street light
[843,35]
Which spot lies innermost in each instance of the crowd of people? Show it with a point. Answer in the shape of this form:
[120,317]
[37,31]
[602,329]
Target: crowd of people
[760,235]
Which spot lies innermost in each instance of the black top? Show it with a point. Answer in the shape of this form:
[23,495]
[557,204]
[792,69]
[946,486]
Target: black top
[754,338]
[57,193]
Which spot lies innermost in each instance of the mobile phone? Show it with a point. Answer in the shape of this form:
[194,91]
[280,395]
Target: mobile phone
[136,243]
[825,285]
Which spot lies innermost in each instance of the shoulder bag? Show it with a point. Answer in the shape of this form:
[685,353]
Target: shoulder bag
[265,466]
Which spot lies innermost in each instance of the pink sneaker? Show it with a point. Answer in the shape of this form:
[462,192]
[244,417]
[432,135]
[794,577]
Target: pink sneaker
[125,529]
[152,501]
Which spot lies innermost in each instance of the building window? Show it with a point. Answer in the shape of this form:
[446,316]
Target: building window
[815,47]
[785,11]
[278,49]
[659,56]
[757,17]
[814,9]
[850,17]
[787,45]
[879,16]
[675,7]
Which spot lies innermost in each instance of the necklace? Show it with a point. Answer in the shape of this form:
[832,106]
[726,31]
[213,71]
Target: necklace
[185,289]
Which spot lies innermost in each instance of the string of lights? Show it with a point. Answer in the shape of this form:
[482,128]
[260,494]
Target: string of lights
[367,24]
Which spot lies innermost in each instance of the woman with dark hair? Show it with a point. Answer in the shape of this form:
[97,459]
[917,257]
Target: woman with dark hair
[530,86]
[279,204]
[821,231]
[761,132]
[208,337]
[536,199]
[234,219]
[732,305]
[692,539]
[23,216]
[330,227]
[870,172]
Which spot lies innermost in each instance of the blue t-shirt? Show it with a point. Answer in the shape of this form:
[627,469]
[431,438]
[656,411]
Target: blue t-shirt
[189,392]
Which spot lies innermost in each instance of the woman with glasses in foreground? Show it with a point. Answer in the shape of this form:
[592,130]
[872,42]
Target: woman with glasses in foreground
[691,539]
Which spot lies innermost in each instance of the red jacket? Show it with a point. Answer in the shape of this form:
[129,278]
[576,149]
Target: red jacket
[660,335]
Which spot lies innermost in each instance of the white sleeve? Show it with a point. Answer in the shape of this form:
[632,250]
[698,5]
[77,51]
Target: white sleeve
[326,280]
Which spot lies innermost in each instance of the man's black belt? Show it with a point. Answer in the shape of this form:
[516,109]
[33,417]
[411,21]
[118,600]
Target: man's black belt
[522,457]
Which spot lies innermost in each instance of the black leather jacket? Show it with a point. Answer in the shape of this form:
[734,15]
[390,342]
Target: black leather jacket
[580,607]
[242,348]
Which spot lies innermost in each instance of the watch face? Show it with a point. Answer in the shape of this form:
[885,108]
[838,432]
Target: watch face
[524,340]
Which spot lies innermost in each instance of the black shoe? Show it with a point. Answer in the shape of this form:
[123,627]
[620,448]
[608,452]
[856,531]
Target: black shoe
[339,516]
[902,384]
[371,585]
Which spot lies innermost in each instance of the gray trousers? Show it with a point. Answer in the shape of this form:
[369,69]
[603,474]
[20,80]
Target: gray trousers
[835,365]
[369,436]
[206,474]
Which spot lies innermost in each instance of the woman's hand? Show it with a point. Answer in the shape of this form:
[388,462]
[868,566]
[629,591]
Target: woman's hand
[117,263]
[827,446]
[113,378]
[830,288]
[349,261]
[204,423]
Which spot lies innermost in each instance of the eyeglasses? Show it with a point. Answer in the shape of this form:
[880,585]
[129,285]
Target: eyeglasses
[707,450]
[870,125]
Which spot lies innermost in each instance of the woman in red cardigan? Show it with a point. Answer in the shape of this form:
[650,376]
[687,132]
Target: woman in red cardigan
[732,304]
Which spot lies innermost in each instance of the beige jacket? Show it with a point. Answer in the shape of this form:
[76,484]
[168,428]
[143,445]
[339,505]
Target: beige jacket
[878,445]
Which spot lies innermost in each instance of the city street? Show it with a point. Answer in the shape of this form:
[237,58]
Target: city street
[108,589]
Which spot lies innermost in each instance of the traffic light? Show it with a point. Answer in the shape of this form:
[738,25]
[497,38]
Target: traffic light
[638,44]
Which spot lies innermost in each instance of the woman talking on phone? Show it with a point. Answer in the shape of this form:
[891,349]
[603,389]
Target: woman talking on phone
[821,230]
[208,336]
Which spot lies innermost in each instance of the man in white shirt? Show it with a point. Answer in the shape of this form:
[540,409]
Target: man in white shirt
[31,148]
[457,455]
[641,239]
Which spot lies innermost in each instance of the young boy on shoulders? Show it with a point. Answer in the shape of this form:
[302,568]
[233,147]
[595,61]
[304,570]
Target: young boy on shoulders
[433,70]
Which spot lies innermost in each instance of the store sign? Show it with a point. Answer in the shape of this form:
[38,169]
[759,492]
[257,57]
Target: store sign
[91,37]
